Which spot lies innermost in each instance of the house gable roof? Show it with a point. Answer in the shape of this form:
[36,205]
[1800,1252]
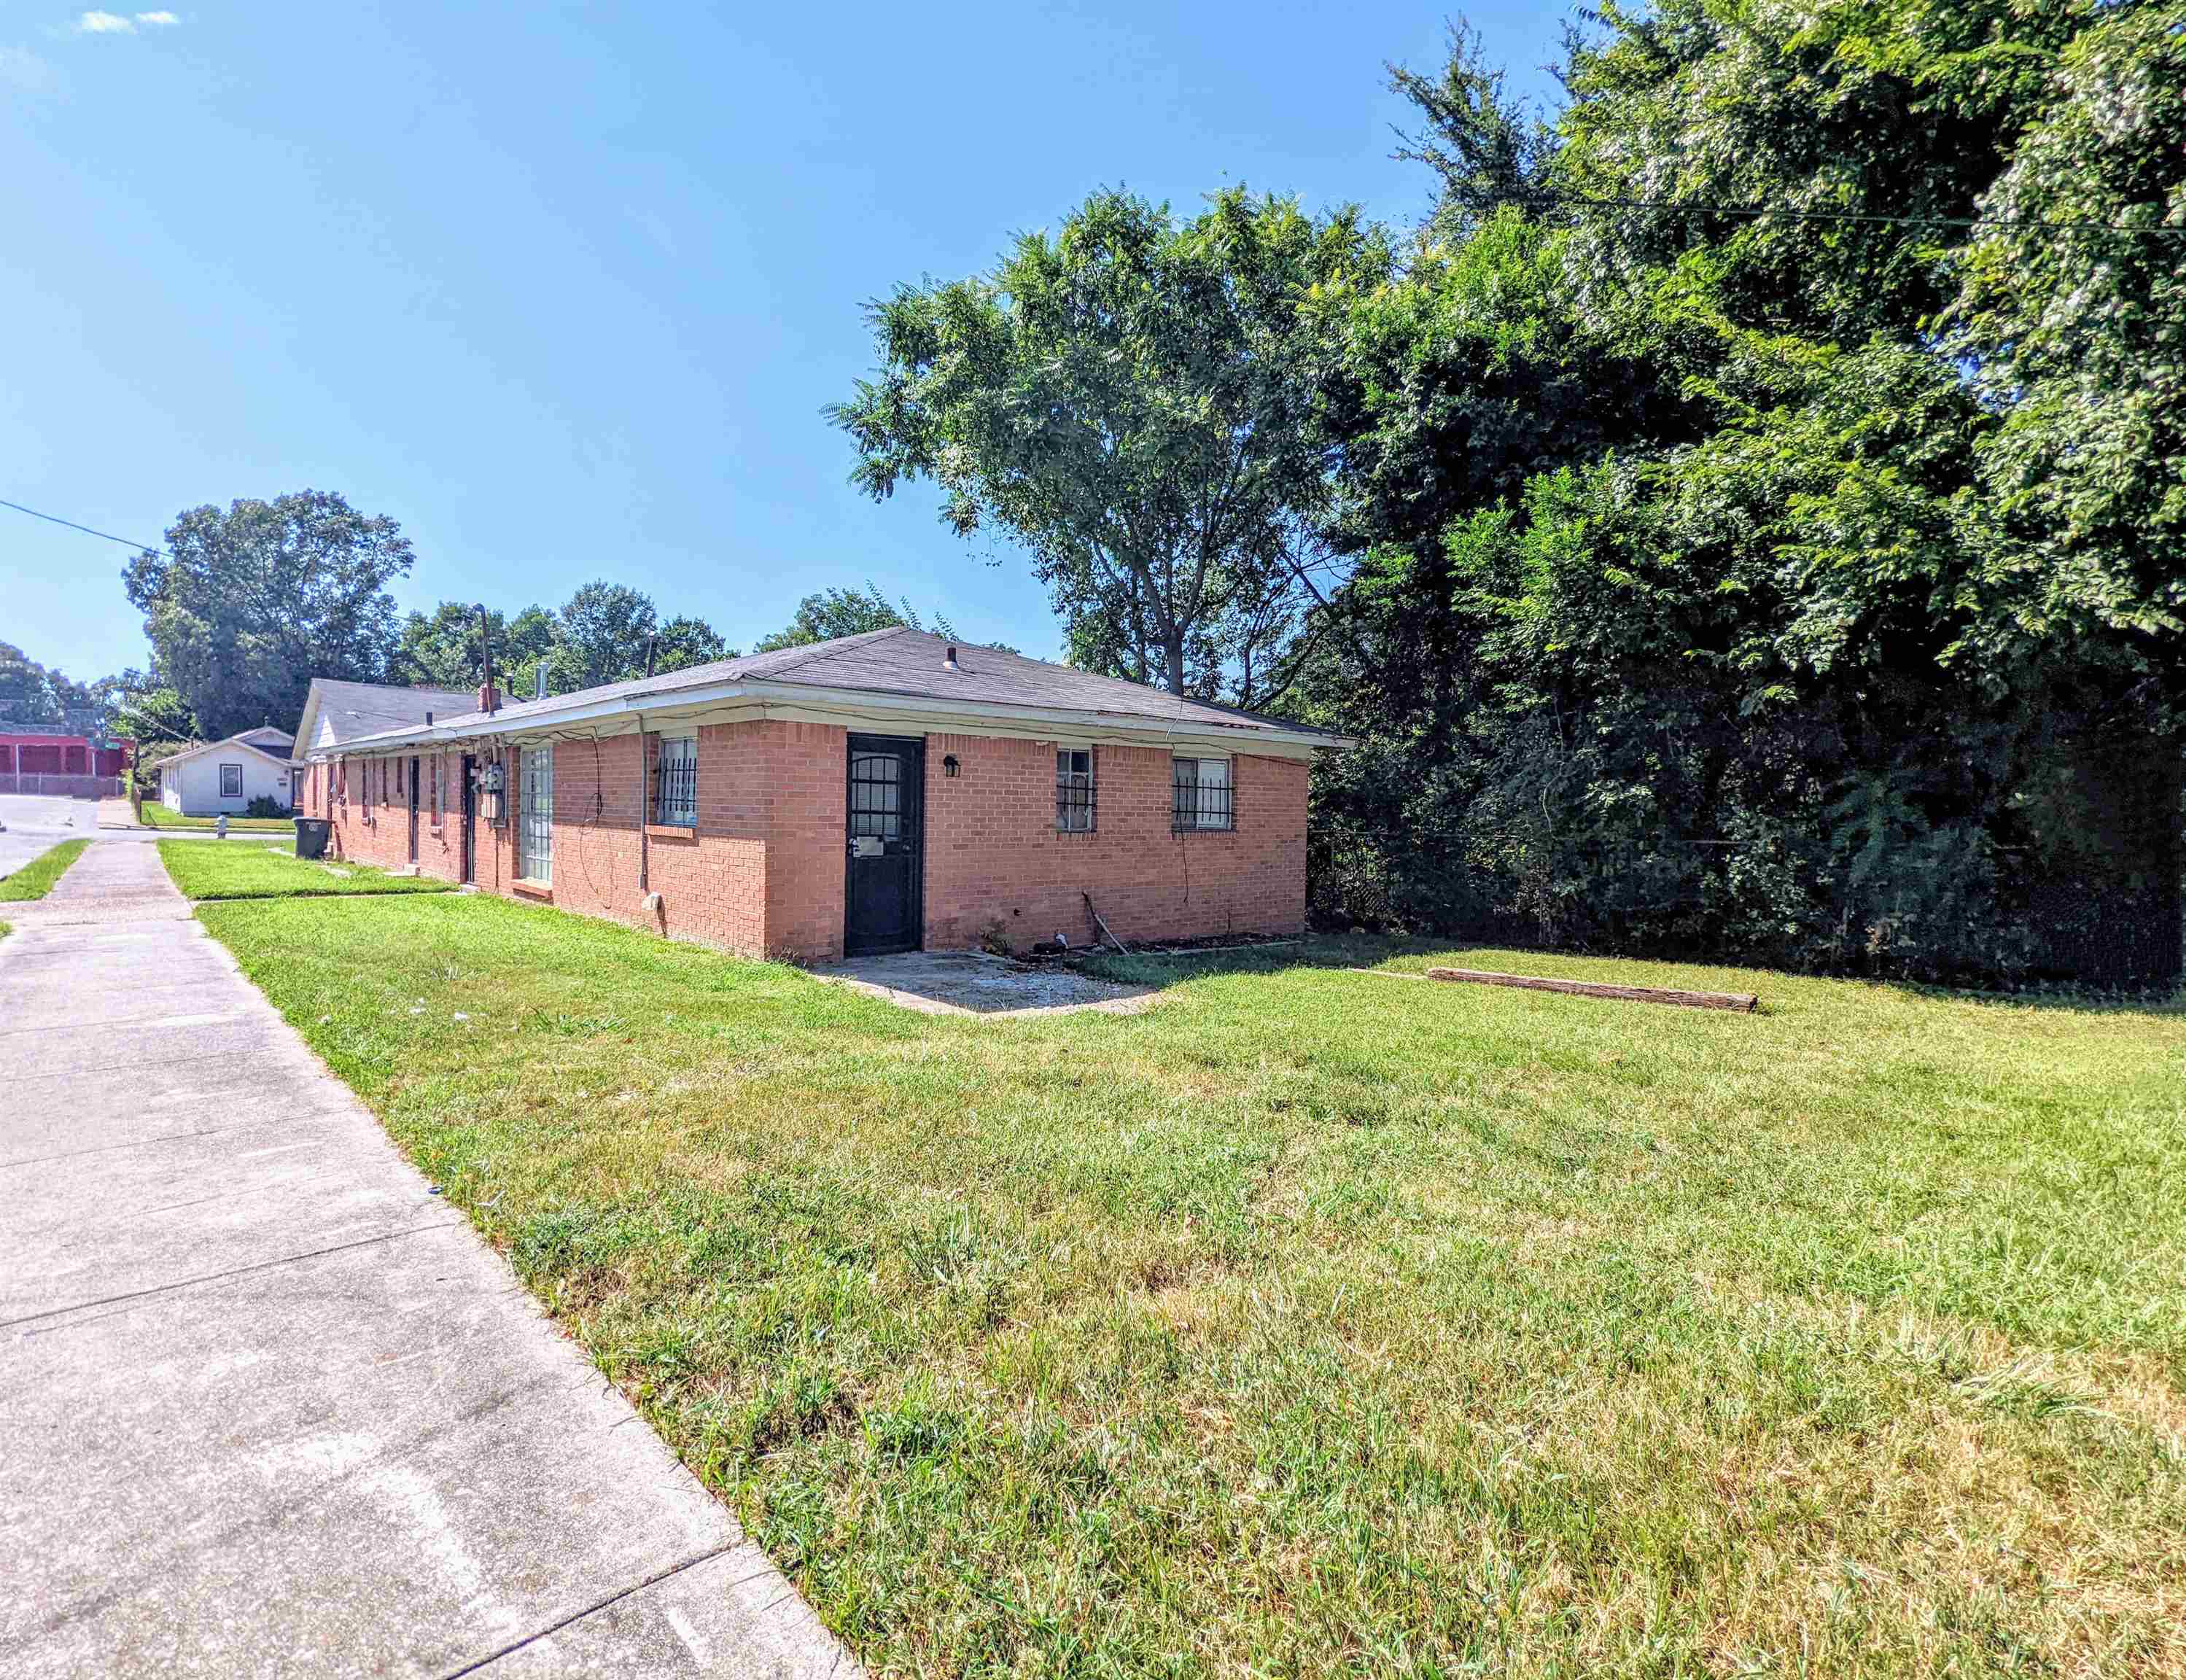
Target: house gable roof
[900,672]
[336,713]
[234,743]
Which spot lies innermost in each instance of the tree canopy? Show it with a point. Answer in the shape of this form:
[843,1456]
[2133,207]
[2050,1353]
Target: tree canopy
[443,649]
[32,693]
[1759,506]
[1128,400]
[1743,516]
[599,635]
[248,604]
[839,611]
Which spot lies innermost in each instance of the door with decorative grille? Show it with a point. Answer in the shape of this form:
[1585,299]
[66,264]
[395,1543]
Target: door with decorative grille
[886,845]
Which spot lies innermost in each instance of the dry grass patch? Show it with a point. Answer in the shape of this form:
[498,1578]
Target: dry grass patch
[1312,1323]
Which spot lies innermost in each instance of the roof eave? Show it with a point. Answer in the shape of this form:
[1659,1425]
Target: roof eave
[933,713]
[308,724]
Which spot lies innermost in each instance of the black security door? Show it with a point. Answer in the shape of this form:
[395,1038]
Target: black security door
[886,843]
[470,818]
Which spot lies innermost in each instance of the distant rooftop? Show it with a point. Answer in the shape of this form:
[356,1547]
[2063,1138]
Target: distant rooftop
[338,712]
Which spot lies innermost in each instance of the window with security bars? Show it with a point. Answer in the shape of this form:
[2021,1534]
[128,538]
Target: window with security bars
[535,834]
[675,782]
[1074,790]
[876,797]
[1201,794]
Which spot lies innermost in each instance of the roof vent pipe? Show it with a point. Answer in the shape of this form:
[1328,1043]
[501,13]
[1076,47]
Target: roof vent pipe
[949,661]
[538,681]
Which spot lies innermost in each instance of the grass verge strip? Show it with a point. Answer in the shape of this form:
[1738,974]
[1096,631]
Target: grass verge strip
[36,877]
[245,869]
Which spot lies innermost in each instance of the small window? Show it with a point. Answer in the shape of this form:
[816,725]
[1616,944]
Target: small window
[1201,799]
[231,782]
[675,782]
[877,795]
[435,761]
[1073,789]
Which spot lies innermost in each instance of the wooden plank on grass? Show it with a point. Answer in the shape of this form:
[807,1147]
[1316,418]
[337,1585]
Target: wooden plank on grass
[1746,1002]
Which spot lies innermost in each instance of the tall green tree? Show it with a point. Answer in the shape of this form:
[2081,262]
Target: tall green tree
[601,633]
[248,603]
[684,641]
[444,649]
[835,612]
[600,636]
[33,693]
[2072,315]
[150,713]
[1714,586]
[1128,400]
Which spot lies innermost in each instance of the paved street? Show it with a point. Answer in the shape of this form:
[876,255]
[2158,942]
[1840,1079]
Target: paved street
[269,1405]
[35,824]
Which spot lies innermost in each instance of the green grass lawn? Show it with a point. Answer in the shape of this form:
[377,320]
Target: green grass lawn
[1322,1323]
[157,815]
[254,869]
[35,878]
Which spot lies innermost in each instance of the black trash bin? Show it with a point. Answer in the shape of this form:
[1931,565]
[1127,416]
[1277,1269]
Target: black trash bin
[312,834]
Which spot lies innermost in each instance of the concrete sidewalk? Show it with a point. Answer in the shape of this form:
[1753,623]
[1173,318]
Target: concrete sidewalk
[269,1406]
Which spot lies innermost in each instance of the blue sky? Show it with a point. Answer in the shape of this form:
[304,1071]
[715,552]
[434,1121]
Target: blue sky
[565,289]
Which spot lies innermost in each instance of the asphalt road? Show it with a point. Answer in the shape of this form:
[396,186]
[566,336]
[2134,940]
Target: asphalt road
[35,823]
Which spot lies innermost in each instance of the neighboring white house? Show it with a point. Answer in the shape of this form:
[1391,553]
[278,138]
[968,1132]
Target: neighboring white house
[227,775]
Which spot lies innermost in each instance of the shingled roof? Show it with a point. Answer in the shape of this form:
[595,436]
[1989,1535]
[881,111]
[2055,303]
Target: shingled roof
[902,671]
[337,713]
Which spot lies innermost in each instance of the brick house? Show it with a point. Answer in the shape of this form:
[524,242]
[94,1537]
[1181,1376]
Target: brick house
[885,792]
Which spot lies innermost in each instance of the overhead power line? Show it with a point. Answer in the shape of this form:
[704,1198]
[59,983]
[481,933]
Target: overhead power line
[56,520]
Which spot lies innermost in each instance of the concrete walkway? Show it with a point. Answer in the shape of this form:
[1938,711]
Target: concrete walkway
[268,1405]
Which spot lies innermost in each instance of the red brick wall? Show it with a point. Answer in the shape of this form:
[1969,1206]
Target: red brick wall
[372,824]
[763,873]
[806,773]
[994,857]
[711,881]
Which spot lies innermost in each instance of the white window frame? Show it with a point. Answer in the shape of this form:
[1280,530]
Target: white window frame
[1216,817]
[534,815]
[224,770]
[682,748]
